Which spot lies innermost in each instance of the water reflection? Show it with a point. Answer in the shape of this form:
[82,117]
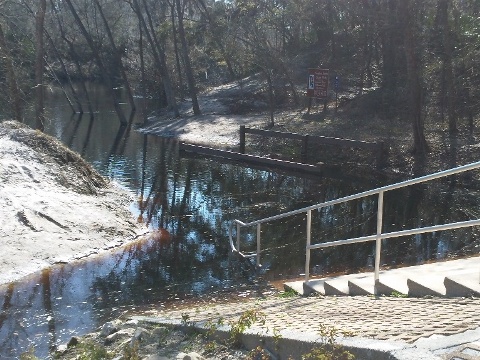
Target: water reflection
[47,309]
[189,202]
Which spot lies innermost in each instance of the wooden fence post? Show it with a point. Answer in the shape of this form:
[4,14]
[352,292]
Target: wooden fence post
[381,155]
[242,139]
[305,149]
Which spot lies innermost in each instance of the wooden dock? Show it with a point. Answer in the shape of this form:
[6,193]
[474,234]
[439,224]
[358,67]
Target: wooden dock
[251,159]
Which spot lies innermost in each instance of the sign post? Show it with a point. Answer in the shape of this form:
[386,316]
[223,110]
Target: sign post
[317,86]
[317,83]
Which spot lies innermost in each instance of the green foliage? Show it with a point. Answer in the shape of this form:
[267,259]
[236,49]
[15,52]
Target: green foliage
[259,353]
[276,337]
[288,293]
[398,294]
[211,327]
[329,349]
[90,350]
[324,353]
[130,352]
[246,320]
[163,335]
[29,355]
[186,322]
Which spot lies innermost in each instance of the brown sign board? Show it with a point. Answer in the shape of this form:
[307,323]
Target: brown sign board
[317,86]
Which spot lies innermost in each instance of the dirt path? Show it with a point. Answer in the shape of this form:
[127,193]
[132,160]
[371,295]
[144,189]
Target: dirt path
[217,126]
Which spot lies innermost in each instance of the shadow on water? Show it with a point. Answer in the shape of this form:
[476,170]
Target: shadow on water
[188,203]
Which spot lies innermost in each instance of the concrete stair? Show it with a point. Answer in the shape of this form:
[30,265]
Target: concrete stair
[454,278]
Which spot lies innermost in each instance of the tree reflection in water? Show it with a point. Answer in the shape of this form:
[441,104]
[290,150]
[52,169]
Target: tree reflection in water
[188,203]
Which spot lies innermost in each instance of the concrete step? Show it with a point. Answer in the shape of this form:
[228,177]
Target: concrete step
[337,287]
[389,284]
[361,286]
[314,286]
[462,286]
[455,278]
[426,285]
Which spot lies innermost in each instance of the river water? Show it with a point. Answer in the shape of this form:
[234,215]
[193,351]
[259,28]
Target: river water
[191,202]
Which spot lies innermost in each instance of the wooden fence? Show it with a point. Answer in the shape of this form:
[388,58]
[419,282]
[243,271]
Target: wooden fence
[378,149]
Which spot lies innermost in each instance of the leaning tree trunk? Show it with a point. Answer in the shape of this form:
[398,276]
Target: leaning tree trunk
[67,74]
[74,58]
[99,62]
[39,66]
[117,54]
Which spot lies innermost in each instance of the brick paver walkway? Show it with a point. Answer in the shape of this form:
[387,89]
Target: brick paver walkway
[385,318]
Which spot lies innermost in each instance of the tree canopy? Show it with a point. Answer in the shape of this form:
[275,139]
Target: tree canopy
[419,58]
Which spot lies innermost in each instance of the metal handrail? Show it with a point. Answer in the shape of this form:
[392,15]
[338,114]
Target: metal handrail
[378,237]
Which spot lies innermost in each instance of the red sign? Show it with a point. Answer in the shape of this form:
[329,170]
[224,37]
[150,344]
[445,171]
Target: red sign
[317,85]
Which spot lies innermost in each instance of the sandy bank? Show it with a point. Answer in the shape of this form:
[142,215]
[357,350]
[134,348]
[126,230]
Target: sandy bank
[54,207]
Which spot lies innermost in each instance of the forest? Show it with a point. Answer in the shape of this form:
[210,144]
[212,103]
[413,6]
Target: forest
[417,59]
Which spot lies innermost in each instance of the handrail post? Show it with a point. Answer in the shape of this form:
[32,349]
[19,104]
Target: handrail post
[309,241]
[378,241]
[238,237]
[258,245]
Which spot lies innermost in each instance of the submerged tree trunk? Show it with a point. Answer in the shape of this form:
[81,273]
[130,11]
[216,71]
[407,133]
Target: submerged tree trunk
[39,66]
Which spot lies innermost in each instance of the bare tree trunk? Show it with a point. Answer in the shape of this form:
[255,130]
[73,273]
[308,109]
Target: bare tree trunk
[143,76]
[14,92]
[216,34]
[175,47]
[414,85]
[54,76]
[270,96]
[74,57]
[99,62]
[158,55]
[39,66]
[61,62]
[117,54]
[65,71]
[448,89]
[186,58]
[389,39]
